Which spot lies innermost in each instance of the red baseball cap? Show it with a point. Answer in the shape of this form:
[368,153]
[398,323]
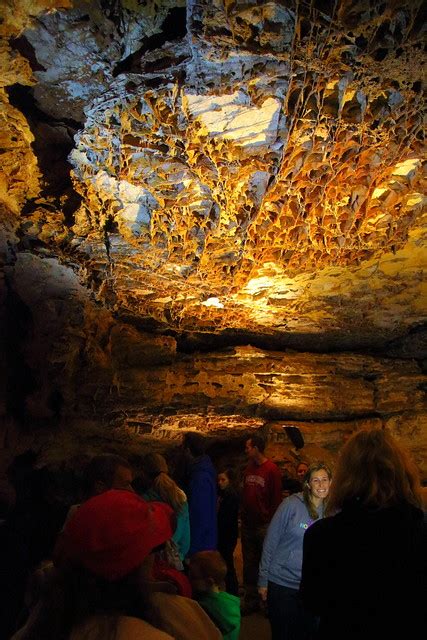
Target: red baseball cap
[113,532]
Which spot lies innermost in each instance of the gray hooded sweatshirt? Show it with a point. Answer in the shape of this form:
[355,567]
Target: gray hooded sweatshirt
[281,560]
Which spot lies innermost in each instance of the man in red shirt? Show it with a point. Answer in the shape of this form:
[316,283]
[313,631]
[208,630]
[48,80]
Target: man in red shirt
[262,494]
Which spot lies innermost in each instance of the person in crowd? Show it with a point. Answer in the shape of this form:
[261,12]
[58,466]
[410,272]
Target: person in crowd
[202,495]
[104,589]
[261,495]
[228,524]
[207,573]
[108,471]
[290,486]
[103,472]
[364,568]
[162,488]
[290,483]
[301,470]
[280,567]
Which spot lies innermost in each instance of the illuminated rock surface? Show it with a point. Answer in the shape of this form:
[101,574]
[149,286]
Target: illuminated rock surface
[247,178]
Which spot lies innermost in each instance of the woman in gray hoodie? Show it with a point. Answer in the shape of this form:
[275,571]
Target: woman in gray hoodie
[281,561]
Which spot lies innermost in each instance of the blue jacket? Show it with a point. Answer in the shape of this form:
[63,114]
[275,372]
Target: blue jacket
[281,560]
[202,505]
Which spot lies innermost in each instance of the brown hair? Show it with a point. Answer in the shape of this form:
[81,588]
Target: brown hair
[211,566]
[376,471]
[156,468]
[101,468]
[195,443]
[231,474]
[257,441]
[315,466]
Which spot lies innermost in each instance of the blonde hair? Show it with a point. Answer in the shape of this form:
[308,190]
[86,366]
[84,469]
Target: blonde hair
[374,469]
[156,468]
[306,491]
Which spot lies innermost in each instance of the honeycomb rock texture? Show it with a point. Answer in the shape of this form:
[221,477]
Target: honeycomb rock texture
[270,162]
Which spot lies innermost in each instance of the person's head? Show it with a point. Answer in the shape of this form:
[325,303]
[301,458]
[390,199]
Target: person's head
[194,443]
[288,468]
[227,478]
[112,533]
[376,471]
[153,464]
[156,470]
[316,484]
[290,486]
[107,471]
[302,470]
[255,447]
[207,571]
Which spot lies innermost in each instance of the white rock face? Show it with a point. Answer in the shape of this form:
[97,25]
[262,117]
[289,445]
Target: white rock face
[78,58]
[80,48]
[234,118]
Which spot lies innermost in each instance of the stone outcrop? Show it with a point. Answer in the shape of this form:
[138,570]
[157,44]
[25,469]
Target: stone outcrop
[80,364]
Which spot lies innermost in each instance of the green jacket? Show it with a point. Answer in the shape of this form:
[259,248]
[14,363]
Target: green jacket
[224,610]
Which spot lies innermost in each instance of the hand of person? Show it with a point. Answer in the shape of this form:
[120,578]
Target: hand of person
[262,593]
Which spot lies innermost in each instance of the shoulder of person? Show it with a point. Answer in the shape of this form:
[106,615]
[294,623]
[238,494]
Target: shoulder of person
[70,513]
[183,617]
[136,629]
[128,628]
[322,528]
[292,503]
[271,466]
[229,598]
[230,496]
[294,500]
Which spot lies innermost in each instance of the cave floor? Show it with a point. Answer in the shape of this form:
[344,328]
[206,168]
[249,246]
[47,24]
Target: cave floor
[255,626]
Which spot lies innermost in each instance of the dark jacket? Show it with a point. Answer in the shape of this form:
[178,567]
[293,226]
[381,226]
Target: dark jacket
[364,572]
[228,520]
[202,505]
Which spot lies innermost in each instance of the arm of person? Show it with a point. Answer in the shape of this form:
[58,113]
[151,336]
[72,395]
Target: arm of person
[182,531]
[275,532]
[275,490]
[262,591]
[182,617]
[139,630]
[127,627]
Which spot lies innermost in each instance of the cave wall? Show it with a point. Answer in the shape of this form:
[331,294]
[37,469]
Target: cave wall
[213,218]
[75,373]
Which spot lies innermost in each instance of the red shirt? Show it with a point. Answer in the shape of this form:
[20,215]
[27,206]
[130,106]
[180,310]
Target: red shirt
[262,493]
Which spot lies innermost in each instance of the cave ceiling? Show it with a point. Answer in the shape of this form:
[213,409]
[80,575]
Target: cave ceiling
[238,168]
